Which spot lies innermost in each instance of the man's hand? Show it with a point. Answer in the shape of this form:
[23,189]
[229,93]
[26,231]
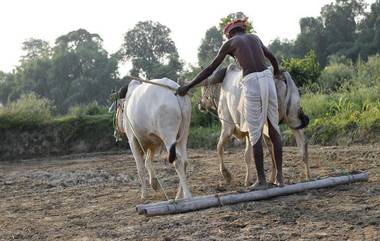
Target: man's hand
[182,90]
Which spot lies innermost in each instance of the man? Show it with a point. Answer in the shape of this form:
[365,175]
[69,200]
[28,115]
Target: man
[259,92]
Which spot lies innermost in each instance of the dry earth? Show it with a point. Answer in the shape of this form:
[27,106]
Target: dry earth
[94,197]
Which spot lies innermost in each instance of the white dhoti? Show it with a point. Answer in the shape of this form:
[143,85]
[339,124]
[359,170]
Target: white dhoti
[258,104]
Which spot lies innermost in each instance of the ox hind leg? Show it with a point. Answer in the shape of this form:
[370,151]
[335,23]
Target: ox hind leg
[248,160]
[178,157]
[302,144]
[224,136]
[180,165]
[138,154]
[273,171]
[151,171]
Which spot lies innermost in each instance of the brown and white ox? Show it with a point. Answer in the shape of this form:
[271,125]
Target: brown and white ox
[153,117]
[222,92]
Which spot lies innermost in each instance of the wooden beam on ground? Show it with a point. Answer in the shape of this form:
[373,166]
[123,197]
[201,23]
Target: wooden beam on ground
[218,200]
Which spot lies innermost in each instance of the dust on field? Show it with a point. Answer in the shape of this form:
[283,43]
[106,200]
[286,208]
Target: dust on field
[94,198]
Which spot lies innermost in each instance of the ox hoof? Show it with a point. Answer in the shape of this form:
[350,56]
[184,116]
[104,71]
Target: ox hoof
[144,196]
[258,186]
[187,196]
[154,184]
[278,184]
[248,183]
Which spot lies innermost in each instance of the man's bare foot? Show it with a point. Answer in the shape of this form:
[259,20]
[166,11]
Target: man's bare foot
[258,186]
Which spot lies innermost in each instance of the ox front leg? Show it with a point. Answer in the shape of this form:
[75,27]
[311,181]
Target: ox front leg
[302,144]
[139,159]
[224,136]
[248,160]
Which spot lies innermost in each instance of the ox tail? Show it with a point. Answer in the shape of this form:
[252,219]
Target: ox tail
[304,120]
[289,86]
[172,153]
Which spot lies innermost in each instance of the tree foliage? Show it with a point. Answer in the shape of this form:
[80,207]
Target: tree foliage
[151,50]
[304,71]
[210,46]
[344,28]
[76,70]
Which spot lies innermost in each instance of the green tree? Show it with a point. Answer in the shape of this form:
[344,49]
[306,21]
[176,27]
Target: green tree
[151,50]
[35,49]
[32,75]
[282,48]
[209,46]
[368,41]
[7,87]
[340,22]
[334,32]
[76,70]
[312,37]
[82,71]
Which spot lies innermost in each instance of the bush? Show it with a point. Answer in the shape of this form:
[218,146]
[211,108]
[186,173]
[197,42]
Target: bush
[90,109]
[304,71]
[344,117]
[30,108]
[368,73]
[316,105]
[203,137]
[335,76]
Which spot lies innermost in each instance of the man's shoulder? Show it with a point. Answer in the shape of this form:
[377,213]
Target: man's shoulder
[252,35]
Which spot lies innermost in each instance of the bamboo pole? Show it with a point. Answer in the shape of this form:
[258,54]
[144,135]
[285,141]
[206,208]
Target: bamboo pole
[153,83]
[217,200]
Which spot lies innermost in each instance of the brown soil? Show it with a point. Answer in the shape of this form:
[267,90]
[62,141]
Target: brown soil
[94,198]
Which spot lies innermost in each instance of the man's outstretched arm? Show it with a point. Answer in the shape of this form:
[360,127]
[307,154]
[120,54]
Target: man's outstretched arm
[207,71]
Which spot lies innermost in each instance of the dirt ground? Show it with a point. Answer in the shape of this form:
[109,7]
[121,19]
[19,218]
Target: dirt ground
[93,197]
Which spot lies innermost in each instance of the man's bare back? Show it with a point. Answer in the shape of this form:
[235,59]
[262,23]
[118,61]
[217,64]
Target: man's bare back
[248,51]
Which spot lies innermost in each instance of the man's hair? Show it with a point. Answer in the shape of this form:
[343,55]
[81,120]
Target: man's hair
[237,30]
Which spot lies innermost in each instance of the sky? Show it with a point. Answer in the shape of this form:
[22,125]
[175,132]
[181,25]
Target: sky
[111,19]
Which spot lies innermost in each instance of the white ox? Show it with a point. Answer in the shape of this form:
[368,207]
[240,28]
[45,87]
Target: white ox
[152,116]
[222,92]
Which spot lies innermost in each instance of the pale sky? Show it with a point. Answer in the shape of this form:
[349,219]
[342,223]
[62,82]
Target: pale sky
[111,19]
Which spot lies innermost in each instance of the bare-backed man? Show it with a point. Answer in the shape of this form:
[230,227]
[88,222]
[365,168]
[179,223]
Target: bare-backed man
[258,89]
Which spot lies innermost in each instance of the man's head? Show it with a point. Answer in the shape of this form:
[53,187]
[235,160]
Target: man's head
[238,25]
